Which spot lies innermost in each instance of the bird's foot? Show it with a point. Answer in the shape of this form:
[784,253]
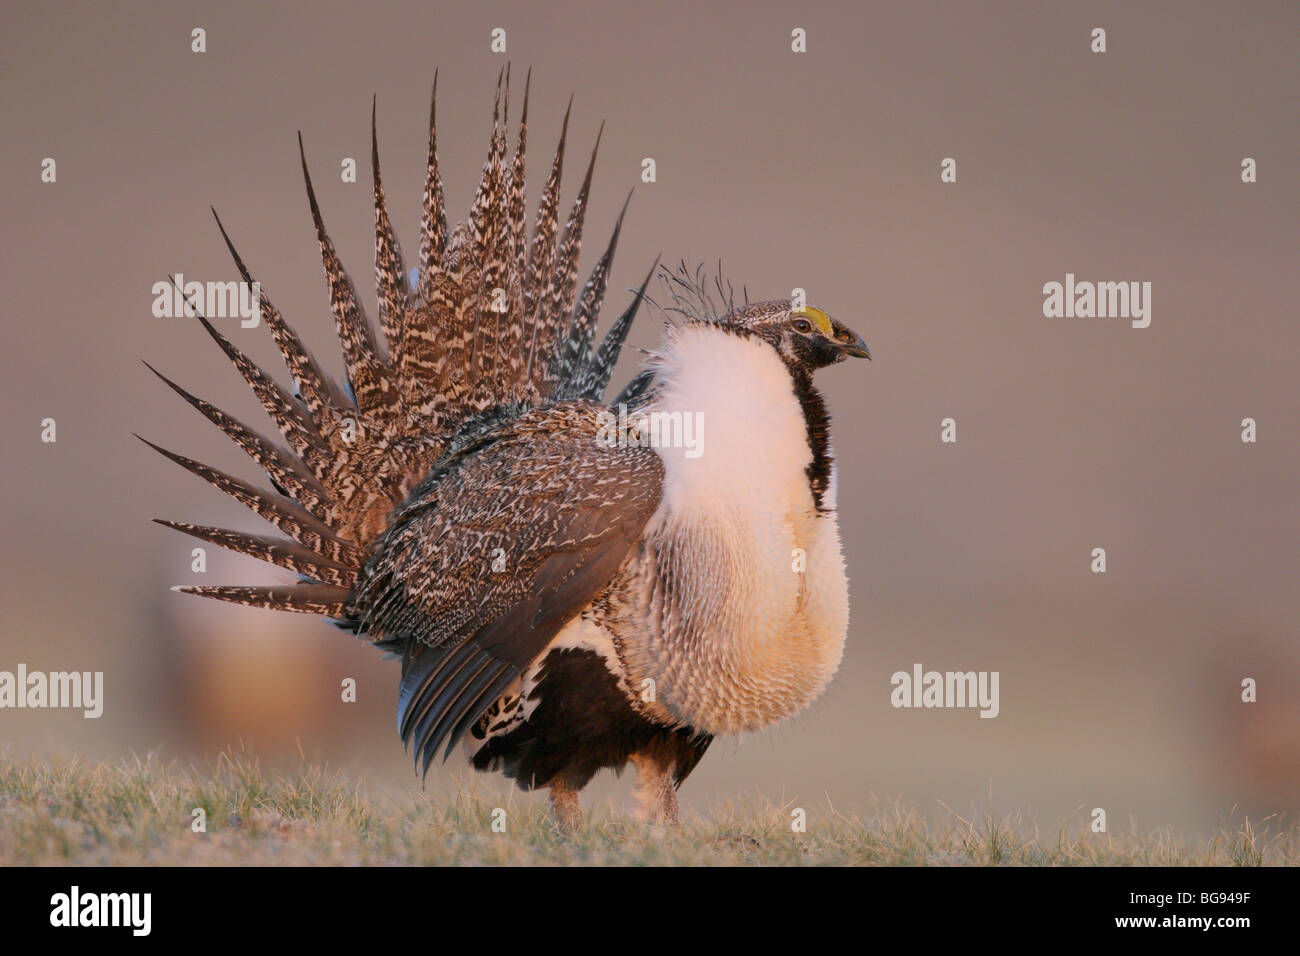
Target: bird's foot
[656,796]
[565,810]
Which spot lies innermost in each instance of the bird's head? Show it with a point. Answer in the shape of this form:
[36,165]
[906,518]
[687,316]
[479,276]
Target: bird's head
[806,338]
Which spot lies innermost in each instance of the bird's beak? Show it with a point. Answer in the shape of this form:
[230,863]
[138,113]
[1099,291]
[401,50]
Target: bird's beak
[857,348]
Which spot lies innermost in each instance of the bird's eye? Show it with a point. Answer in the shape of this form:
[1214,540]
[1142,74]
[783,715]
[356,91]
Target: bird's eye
[802,325]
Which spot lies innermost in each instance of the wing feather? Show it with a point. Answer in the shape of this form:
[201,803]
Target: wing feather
[511,536]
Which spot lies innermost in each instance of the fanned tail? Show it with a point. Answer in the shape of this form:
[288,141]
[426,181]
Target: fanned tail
[491,321]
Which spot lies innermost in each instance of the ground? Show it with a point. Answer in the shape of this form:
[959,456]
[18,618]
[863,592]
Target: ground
[141,812]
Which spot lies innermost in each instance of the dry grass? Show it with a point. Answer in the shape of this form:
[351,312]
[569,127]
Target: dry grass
[139,813]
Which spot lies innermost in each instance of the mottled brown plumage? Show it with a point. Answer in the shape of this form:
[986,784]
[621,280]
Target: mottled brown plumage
[511,535]
[355,455]
[460,503]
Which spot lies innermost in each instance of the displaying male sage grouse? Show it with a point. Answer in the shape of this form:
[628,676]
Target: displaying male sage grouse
[567,590]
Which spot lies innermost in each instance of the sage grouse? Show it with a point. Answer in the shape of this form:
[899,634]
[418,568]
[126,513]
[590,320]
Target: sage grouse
[566,590]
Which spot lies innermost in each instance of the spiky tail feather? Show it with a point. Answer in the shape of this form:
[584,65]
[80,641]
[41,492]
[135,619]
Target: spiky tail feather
[493,321]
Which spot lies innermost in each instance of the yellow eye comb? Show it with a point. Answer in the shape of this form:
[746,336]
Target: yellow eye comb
[817,317]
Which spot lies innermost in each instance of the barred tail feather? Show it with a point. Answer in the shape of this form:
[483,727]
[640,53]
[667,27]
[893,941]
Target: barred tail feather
[433,223]
[592,377]
[541,254]
[281,511]
[390,270]
[365,376]
[449,348]
[317,389]
[286,472]
[319,599]
[574,349]
[562,288]
[277,551]
[293,422]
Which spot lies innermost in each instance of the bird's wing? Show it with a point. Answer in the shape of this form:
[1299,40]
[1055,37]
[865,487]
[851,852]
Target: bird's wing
[510,536]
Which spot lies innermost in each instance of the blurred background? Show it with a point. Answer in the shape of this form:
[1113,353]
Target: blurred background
[818,170]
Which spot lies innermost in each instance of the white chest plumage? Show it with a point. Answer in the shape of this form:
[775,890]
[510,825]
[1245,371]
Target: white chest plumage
[745,600]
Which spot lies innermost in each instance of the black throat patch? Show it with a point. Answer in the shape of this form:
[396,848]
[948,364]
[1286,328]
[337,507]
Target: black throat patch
[818,423]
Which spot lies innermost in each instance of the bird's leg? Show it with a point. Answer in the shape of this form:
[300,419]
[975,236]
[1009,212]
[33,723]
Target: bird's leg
[655,794]
[565,810]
